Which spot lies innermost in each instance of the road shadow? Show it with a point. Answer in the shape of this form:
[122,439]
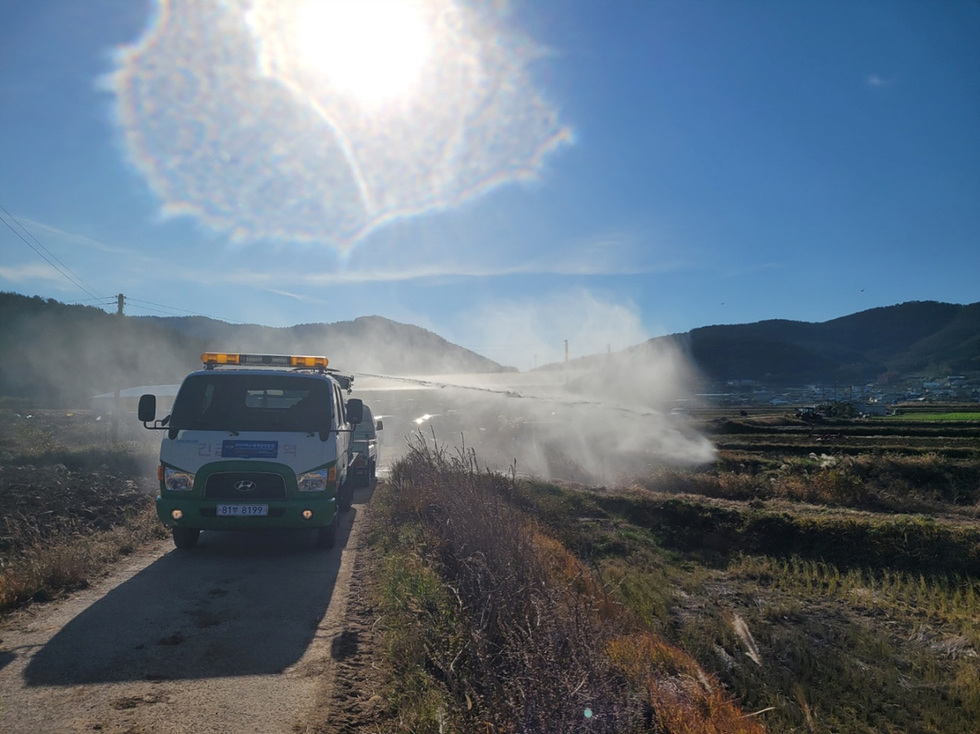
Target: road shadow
[240,604]
[362,495]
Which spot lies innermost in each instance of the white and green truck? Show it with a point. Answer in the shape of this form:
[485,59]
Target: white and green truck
[256,441]
[365,443]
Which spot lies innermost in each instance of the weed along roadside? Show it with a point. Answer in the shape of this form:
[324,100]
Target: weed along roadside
[493,624]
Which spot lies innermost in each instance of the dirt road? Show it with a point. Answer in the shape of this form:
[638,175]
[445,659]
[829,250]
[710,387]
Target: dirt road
[242,634]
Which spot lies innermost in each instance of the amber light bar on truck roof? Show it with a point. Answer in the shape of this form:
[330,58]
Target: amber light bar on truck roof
[213,359]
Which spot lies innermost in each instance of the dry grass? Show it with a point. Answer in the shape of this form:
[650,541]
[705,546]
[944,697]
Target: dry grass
[877,481]
[42,570]
[495,626]
[71,505]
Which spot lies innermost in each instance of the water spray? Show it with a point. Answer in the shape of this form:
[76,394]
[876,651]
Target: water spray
[558,435]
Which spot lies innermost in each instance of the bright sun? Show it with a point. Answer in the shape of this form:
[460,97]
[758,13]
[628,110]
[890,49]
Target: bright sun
[373,50]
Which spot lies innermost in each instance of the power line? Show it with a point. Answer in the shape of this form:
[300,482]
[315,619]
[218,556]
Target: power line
[170,310]
[148,308]
[53,261]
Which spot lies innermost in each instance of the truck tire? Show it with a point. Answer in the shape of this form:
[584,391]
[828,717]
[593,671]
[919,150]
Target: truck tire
[186,538]
[373,473]
[326,537]
[345,497]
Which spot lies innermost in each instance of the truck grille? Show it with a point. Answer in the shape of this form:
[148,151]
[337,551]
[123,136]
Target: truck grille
[245,486]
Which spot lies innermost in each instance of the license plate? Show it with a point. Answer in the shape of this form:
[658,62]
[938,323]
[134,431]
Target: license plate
[243,510]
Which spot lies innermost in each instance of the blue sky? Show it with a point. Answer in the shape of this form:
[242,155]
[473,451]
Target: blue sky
[511,176]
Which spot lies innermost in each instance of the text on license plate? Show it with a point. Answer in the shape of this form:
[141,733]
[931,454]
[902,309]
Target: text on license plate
[242,510]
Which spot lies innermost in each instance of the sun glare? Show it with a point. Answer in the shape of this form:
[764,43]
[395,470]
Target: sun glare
[373,50]
[325,120]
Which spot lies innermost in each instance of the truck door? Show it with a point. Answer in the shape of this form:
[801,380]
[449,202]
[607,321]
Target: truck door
[343,435]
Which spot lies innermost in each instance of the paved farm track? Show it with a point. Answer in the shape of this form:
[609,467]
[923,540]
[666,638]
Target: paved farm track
[245,633]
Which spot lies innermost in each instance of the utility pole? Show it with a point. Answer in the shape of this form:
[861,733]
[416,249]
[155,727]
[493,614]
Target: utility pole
[120,300]
[566,361]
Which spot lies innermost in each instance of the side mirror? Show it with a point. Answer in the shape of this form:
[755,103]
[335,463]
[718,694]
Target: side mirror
[379,426]
[147,410]
[355,410]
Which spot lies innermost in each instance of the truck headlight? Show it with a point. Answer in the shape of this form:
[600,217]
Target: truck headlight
[178,481]
[312,481]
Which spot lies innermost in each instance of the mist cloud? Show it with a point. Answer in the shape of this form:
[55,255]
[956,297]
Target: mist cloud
[531,332]
[604,415]
[599,423]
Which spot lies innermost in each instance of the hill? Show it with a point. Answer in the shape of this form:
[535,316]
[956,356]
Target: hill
[926,338]
[52,354]
[366,344]
[57,355]
[918,337]
[892,343]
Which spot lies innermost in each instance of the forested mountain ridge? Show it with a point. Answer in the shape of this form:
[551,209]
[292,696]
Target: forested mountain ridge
[888,344]
[924,337]
[58,355]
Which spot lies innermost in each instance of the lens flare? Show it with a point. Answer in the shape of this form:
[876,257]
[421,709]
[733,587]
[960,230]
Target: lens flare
[319,122]
[373,51]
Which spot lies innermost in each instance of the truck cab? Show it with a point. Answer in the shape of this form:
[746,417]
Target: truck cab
[256,442]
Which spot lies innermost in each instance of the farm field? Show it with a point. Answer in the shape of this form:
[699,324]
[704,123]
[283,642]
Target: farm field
[938,417]
[73,501]
[831,570]
[824,577]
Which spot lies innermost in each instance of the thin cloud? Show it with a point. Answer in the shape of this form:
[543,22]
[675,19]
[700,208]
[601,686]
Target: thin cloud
[46,231]
[401,274]
[62,240]
[606,254]
[286,294]
[874,80]
[21,273]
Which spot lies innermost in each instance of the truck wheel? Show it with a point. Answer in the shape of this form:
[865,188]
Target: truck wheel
[186,538]
[345,497]
[374,469]
[327,537]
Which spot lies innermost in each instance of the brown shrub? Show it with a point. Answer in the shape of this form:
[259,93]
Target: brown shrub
[546,649]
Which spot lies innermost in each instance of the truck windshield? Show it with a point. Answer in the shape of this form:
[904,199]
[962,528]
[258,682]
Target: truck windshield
[225,402]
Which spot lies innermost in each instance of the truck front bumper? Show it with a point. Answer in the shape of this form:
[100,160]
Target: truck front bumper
[314,511]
